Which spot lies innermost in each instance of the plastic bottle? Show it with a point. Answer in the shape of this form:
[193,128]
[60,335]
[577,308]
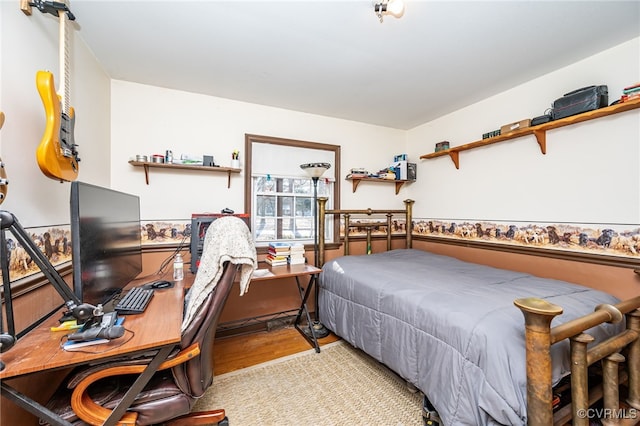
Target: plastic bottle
[178,268]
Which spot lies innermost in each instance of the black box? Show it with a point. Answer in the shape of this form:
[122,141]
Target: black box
[199,224]
[580,100]
[207,160]
[541,119]
[411,171]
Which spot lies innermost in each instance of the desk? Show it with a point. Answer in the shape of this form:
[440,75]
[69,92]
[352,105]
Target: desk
[297,272]
[158,328]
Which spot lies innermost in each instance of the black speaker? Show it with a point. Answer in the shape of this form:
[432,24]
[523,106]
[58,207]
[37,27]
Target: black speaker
[412,171]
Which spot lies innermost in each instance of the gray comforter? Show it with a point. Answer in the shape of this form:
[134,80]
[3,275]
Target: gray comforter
[449,327]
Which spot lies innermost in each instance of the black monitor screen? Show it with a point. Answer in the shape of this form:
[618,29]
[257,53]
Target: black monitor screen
[105,237]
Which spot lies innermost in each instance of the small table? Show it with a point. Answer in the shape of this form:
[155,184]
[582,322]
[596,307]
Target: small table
[295,271]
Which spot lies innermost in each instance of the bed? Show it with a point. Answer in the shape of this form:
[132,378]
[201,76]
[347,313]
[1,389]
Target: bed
[451,329]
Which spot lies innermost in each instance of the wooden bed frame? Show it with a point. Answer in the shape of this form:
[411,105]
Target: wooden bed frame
[619,355]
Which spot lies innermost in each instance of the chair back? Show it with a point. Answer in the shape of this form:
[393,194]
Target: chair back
[196,375]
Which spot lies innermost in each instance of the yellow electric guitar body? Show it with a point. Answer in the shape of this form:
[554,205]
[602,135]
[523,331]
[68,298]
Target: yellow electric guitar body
[57,155]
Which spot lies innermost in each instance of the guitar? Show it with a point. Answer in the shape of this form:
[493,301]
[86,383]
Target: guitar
[3,177]
[57,154]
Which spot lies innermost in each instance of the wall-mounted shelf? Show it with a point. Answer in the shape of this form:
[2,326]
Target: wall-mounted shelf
[398,183]
[207,169]
[538,131]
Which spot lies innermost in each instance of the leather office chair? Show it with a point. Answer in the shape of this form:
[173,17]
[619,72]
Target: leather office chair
[171,392]
[91,393]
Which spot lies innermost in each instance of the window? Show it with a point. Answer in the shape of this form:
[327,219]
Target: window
[279,194]
[283,207]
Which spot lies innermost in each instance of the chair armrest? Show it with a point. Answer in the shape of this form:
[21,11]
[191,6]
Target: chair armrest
[94,414]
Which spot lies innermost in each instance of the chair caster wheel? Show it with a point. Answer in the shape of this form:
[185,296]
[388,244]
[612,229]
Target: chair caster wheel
[224,422]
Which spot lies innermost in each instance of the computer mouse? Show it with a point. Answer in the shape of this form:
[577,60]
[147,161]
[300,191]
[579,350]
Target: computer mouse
[161,284]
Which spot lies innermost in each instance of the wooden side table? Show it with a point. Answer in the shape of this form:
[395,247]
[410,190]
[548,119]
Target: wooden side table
[297,272]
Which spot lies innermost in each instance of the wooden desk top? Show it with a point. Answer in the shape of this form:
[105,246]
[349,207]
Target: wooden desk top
[158,326]
[266,272]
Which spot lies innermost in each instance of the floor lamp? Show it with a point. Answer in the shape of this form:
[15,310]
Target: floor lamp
[315,171]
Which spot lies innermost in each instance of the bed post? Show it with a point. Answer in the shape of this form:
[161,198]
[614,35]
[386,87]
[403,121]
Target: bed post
[633,360]
[347,226]
[580,377]
[389,216]
[611,383]
[538,315]
[408,205]
[322,204]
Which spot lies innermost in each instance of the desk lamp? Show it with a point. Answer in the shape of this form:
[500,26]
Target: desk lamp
[315,171]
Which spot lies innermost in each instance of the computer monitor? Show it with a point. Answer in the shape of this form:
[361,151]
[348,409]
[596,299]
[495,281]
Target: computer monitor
[105,241]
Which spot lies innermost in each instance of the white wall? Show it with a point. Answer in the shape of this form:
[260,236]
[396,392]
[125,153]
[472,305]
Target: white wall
[590,174]
[148,120]
[29,44]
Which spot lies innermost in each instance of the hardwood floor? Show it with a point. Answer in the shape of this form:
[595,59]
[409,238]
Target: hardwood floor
[236,352]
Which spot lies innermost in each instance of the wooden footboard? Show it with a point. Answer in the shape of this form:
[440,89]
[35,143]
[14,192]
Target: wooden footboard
[620,356]
[347,217]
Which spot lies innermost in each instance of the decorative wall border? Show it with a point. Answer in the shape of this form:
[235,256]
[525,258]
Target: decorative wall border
[55,243]
[53,240]
[160,232]
[602,240]
[605,240]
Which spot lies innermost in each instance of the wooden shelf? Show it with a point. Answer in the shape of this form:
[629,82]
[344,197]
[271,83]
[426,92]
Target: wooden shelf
[538,131]
[208,169]
[398,183]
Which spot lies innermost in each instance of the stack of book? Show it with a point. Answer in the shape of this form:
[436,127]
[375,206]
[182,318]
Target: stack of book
[278,253]
[358,173]
[296,254]
[631,92]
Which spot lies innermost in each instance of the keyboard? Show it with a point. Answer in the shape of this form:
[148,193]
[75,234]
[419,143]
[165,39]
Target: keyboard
[135,301]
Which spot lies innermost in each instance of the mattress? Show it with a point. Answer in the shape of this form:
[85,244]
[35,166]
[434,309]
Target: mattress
[449,327]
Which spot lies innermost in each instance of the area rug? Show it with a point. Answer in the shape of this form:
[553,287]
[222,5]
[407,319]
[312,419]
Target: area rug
[339,386]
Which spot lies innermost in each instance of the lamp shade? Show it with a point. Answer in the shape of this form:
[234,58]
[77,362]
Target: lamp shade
[315,170]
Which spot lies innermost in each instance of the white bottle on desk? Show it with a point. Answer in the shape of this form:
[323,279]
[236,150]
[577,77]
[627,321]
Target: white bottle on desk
[178,268]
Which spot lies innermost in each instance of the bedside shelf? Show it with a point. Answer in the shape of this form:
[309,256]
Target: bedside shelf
[538,131]
[208,169]
[398,183]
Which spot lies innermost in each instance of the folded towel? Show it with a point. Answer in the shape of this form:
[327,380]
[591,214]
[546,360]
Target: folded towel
[228,239]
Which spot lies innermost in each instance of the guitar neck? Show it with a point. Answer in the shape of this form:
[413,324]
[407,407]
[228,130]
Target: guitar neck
[64,62]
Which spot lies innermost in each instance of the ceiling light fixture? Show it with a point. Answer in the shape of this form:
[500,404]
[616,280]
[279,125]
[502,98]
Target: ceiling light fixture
[389,7]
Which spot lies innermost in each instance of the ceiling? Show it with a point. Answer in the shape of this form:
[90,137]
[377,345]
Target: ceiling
[334,58]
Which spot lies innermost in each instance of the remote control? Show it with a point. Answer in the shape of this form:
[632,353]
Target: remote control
[108,319]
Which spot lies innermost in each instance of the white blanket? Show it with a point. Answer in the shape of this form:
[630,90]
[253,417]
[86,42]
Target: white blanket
[228,239]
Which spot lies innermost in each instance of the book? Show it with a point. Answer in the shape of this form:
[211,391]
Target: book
[71,345]
[276,257]
[296,254]
[277,249]
[279,246]
[297,248]
[297,260]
